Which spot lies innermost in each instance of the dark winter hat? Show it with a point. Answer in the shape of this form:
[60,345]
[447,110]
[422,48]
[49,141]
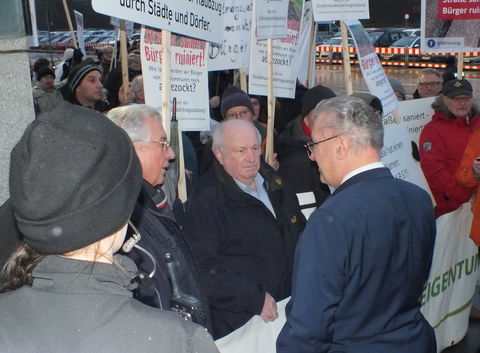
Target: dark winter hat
[454,88]
[314,96]
[397,86]
[77,74]
[370,99]
[234,97]
[74,179]
[44,71]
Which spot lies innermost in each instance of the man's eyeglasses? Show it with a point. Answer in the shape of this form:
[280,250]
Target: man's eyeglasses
[311,145]
[426,84]
[238,115]
[165,145]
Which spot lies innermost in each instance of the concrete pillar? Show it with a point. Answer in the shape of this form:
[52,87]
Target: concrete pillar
[16,102]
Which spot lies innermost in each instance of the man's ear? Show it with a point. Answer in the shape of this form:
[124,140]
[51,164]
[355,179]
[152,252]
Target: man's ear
[218,154]
[342,147]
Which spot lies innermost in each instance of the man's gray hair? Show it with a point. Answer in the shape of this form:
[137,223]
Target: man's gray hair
[354,118]
[137,84]
[427,71]
[131,119]
[218,134]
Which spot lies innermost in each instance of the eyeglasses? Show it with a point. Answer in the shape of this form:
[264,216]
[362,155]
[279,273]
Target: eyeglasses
[426,84]
[164,145]
[311,145]
[237,115]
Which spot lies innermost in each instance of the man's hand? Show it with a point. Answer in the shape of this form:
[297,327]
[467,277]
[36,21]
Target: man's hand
[269,311]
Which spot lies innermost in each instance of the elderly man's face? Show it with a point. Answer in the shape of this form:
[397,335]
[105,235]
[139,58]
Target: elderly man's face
[240,153]
[429,85]
[154,155]
[459,106]
[323,150]
[239,112]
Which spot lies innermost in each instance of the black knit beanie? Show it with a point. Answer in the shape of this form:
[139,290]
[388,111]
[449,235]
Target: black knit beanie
[77,74]
[74,179]
[44,71]
[314,96]
[234,97]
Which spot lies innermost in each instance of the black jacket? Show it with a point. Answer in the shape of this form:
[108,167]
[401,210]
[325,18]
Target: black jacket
[242,250]
[296,168]
[160,235]
[10,236]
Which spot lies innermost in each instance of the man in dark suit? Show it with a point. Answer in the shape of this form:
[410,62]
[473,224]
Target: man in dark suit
[361,263]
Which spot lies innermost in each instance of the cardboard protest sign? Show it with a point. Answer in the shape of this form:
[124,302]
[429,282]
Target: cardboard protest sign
[285,52]
[79,21]
[234,50]
[306,48]
[271,19]
[371,67]
[189,78]
[332,10]
[194,18]
[450,26]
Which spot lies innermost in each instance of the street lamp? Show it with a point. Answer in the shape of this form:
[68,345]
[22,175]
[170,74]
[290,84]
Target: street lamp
[407,16]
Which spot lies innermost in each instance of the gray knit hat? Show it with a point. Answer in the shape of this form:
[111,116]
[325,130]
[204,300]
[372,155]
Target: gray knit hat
[74,179]
[78,73]
[234,97]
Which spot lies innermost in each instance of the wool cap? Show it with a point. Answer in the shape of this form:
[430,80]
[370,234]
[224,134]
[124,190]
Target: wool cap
[77,74]
[74,179]
[314,96]
[397,86]
[44,71]
[234,97]
[454,88]
[370,99]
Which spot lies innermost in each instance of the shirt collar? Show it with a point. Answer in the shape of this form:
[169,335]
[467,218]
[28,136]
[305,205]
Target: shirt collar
[361,170]
[258,183]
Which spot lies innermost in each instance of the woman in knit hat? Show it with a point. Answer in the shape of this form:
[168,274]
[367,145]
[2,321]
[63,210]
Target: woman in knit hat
[74,181]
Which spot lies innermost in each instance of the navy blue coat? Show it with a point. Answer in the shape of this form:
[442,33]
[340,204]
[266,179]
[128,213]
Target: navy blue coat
[360,267]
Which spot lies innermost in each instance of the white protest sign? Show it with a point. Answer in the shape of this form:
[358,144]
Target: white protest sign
[450,26]
[448,293]
[332,10]
[115,22]
[33,39]
[271,19]
[371,67]
[415,114]
[256,336]
[195,18]
[306,52]
[80,27]
[189,78]
[285,52]
[234,51]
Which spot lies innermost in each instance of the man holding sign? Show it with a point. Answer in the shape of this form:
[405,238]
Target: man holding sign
[362,261]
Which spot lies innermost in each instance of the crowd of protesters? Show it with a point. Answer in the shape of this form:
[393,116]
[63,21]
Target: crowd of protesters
[94,212]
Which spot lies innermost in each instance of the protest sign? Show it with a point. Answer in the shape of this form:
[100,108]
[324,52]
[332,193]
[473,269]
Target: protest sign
[396,153]
[450,26]
[255,336]
[332,10]
[115,22]
[189,77]
[195,18]
[271,19]
[306,48]
[449,291]
[80,27]
[371,67]
[234,51]
[285,52]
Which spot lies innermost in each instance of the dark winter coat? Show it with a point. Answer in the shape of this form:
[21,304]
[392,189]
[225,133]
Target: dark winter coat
[161,235]
[242,250]
[299,171]
[79,307]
